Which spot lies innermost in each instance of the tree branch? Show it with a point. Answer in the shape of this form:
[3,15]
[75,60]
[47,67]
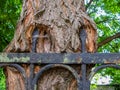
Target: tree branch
[117,35]
[105,20]
[89,4]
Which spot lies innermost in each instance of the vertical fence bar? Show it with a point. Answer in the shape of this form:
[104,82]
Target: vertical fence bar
[35,35]
[85,84]
[31,76]
[83,69]
[83,37]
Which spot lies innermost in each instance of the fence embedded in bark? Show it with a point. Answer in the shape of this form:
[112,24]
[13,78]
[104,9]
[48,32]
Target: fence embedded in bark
[67,61]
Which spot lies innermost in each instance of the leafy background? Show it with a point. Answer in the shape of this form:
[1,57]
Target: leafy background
[106,14]
[9,14]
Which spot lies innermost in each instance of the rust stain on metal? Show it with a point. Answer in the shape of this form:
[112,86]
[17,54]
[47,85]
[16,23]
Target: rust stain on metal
[66,60]
[107,61]
[79,60]
[117,61]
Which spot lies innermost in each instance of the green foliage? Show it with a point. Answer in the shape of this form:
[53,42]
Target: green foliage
[2,80]
[9,13]
[106,14]
[112,6]
[93,87]
[113,73]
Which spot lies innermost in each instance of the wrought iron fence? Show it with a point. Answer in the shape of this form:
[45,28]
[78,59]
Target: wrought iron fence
[64,60]
[60,60]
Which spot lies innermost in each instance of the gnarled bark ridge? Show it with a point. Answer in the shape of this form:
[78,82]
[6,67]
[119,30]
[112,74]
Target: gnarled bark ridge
[59,23]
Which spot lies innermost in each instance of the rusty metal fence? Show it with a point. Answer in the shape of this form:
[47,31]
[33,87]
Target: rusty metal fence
[59,60]
[64,60]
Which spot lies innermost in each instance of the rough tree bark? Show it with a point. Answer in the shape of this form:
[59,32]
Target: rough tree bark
[59,23]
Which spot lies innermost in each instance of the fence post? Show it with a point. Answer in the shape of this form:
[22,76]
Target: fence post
[85,83]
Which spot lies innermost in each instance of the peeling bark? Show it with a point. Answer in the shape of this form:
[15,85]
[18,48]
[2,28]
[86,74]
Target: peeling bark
[14,79]
[59,23]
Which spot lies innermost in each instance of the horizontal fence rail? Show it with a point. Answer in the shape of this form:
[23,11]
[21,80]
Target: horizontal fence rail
[64,60]
[52,58]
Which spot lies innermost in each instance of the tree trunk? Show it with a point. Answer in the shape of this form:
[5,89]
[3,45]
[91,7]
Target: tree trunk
[59,23]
